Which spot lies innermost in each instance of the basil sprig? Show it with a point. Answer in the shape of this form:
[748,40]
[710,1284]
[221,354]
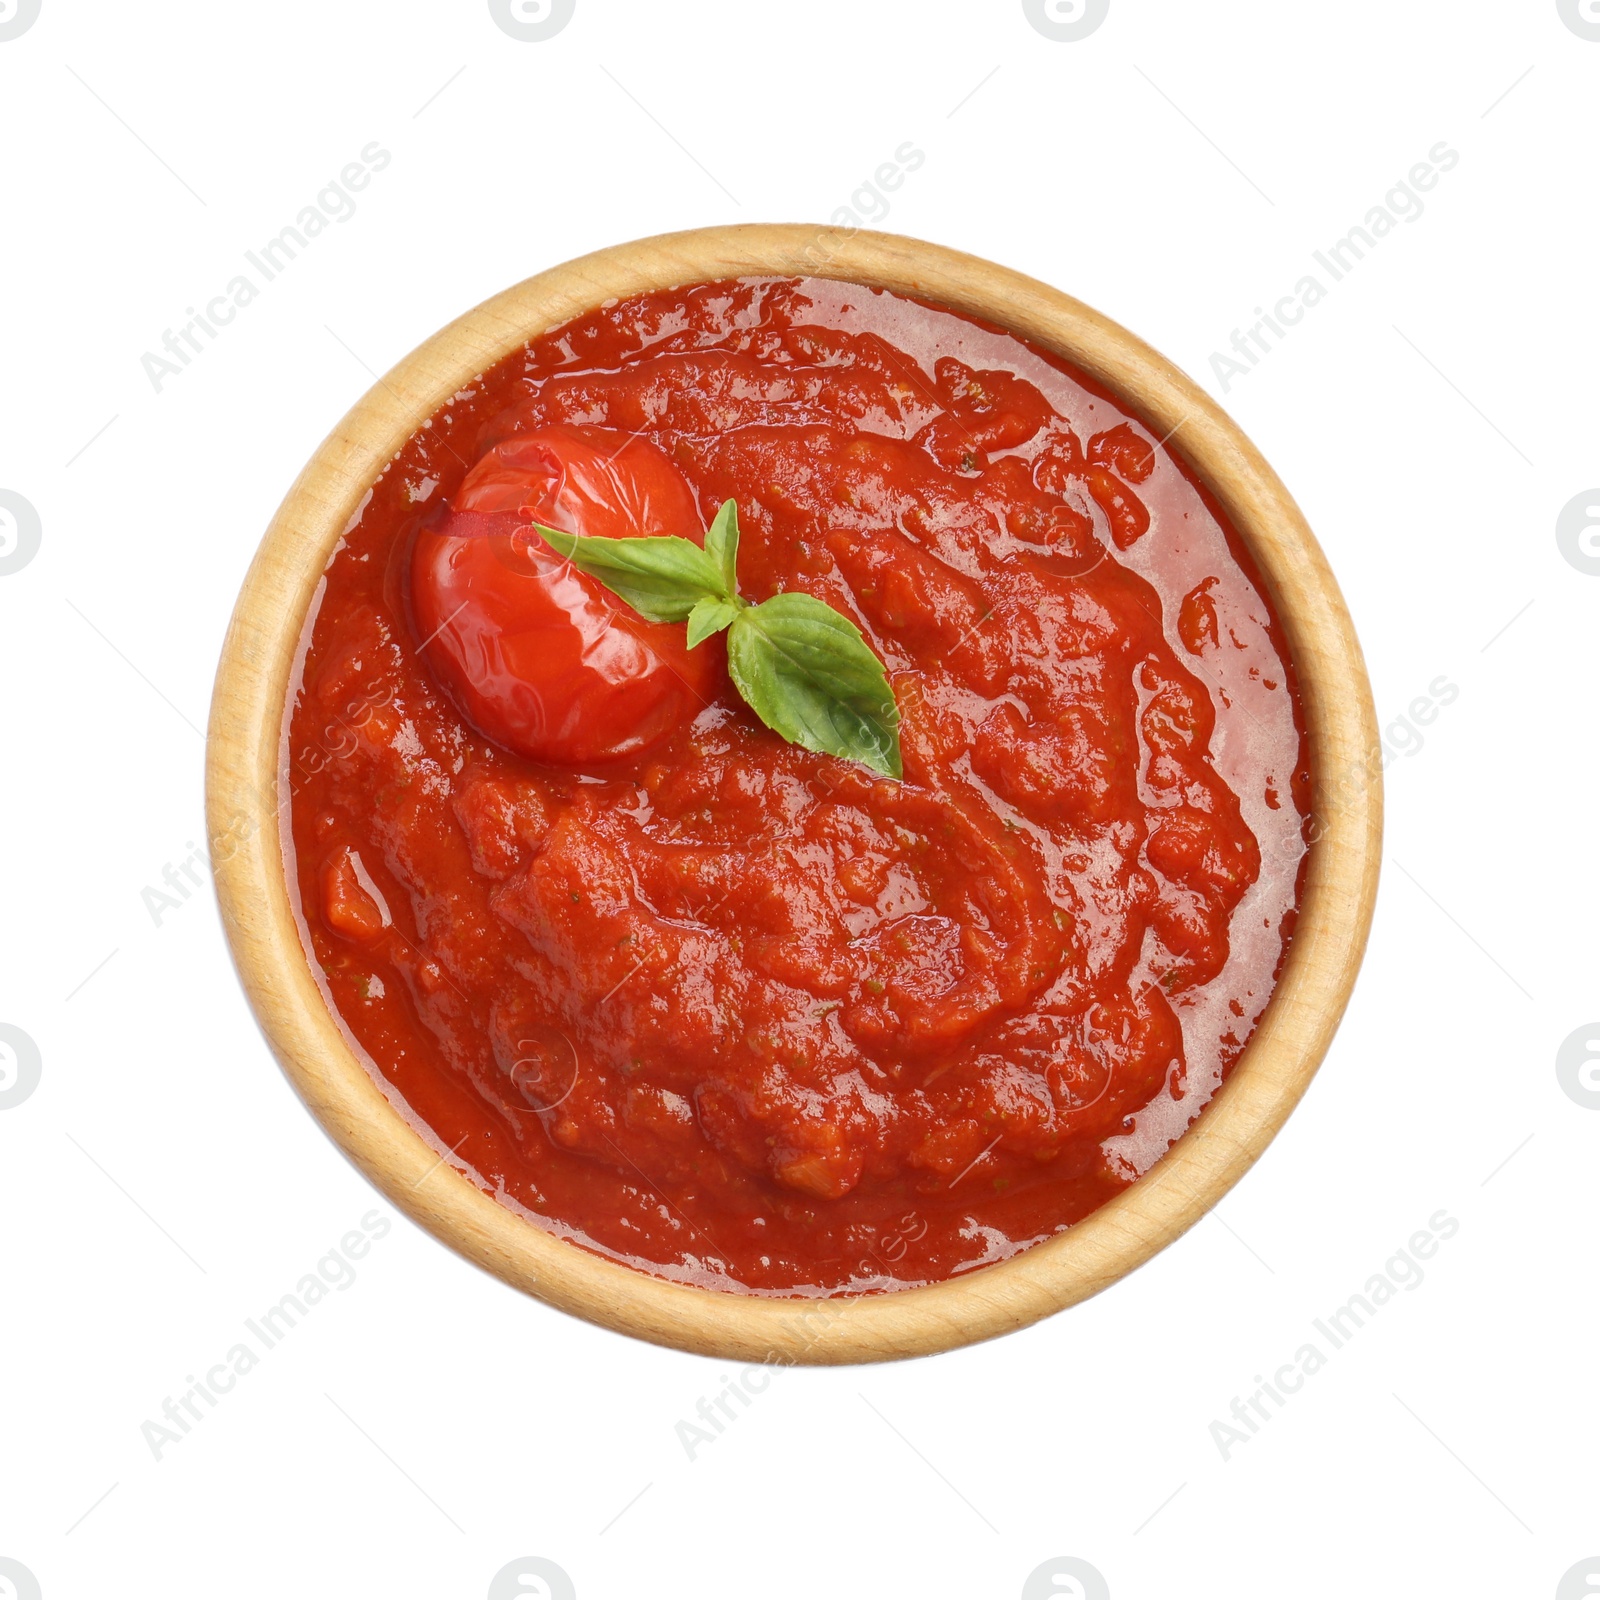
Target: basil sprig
[803,668]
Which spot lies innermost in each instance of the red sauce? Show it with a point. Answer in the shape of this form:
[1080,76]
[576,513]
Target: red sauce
[747,1016]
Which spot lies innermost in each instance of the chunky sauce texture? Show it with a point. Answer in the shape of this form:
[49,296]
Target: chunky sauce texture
[754,1018]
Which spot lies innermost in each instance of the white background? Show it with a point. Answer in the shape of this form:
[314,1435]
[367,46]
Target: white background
[423,1428]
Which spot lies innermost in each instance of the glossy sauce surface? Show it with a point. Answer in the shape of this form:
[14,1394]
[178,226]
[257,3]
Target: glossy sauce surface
[746,1016]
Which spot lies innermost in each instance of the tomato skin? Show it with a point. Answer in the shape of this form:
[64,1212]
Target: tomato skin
[538,656]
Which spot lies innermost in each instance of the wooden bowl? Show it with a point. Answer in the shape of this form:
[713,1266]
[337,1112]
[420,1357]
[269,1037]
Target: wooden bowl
[246,749]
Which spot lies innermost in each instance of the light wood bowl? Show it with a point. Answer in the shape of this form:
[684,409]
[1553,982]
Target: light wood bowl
[243,776]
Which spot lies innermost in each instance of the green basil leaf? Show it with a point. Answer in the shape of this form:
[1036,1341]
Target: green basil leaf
[809,675]
[711,615]
[662,578]
[722,545]
[804,669]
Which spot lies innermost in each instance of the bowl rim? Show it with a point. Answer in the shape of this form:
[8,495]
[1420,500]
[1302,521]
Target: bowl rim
[244,745]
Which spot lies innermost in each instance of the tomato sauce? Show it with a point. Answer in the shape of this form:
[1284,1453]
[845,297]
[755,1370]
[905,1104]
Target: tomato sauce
[755,1018]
